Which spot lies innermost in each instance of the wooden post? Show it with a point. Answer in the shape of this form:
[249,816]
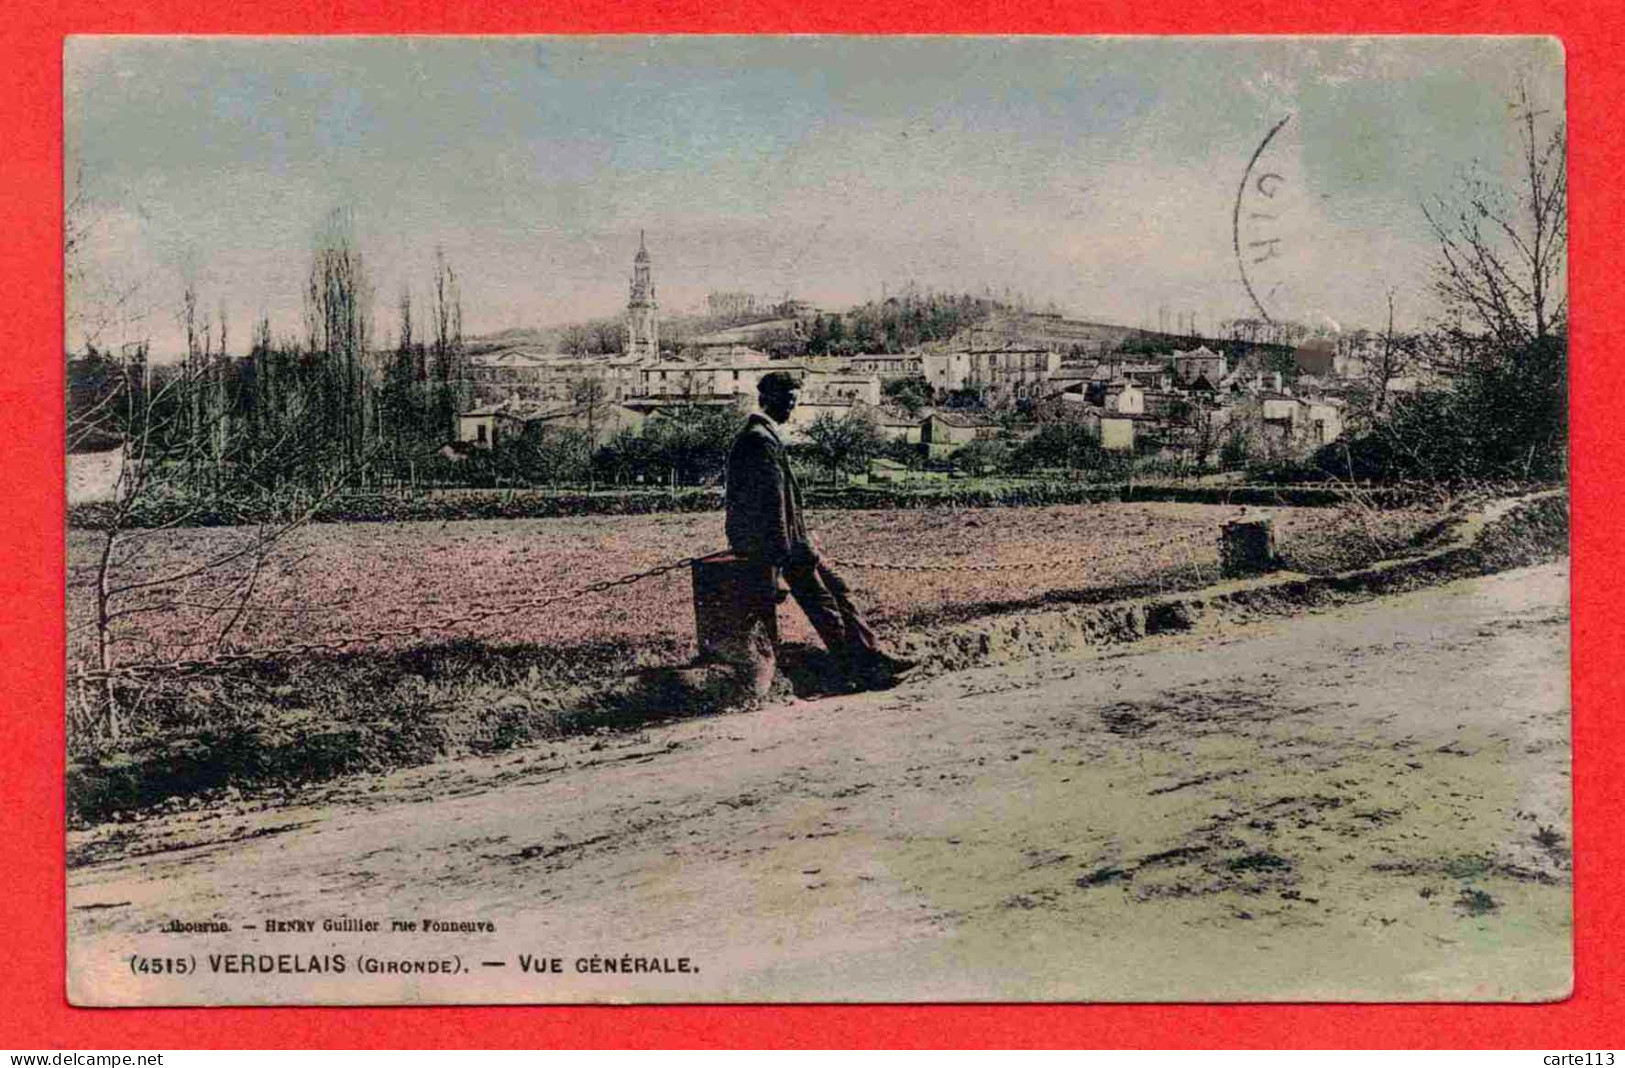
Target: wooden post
[736,618]
[1247,547]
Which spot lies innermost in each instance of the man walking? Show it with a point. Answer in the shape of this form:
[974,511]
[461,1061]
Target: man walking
[765,524]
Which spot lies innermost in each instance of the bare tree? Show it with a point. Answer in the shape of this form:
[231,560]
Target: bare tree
[448,370]
[338,300]
[201,441]
[577,340]
[849,439]
[1206,421]
[587,394]
[608,338]
[1391,355]
[1503,253]
[105,302]
[161,486]
[1501,278]
[402,402]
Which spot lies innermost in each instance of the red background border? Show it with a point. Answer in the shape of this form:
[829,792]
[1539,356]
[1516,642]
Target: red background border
[33,1010]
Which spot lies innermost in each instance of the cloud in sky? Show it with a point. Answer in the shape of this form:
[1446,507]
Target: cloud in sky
[1097,173]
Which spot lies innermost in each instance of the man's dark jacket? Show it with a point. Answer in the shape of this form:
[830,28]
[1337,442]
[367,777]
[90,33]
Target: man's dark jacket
[764,502]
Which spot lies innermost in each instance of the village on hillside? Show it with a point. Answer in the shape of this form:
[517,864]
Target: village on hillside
[913,386]
[997,381]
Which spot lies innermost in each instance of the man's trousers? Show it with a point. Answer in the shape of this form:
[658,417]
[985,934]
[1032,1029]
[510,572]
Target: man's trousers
[827,601]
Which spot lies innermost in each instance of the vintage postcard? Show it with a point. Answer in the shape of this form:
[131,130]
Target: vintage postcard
[759,519]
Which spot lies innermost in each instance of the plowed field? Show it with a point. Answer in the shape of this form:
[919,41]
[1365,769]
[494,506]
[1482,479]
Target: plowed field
[337,579]
[334,579]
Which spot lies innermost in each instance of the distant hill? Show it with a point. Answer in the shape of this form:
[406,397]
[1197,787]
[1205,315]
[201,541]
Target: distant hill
[1009,328]
[873,326]
[511,338]
[606,335]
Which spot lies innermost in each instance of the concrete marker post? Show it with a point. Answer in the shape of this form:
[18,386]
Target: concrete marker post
[736,619]
[1247,547]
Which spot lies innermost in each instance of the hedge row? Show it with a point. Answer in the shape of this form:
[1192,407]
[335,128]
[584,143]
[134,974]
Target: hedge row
[543,505]
[1041,494]
[360,508]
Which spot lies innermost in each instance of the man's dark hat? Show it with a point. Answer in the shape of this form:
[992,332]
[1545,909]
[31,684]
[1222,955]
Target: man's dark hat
[780,382]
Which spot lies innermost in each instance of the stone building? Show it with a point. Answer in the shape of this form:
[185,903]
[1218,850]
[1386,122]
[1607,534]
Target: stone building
[534,377]
[946,371]
[487,425]
[1200,362]
[736,376]
[1013,374]
[888,366]
[944,433]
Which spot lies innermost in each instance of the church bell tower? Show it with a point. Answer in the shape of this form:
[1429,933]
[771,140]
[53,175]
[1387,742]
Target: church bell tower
[642,328]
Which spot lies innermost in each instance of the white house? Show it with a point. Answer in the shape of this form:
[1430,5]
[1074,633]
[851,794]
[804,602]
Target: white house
[1200,362]
[484,426]
[94,476]
[946,371]
[888,365]
[897,426]
[946,432]
[1325,419]
[1113,430]
[1124,398]
[857,387]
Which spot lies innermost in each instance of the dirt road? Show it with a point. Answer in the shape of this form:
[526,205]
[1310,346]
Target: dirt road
[1368,802]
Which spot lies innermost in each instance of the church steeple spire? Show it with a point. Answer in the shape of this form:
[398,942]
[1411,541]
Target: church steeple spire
[642,327]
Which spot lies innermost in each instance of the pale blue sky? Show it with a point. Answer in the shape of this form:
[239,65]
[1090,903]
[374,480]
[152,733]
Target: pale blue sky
[1097,173]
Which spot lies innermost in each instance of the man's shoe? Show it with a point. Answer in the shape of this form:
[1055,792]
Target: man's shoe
[883,672]
[893,665]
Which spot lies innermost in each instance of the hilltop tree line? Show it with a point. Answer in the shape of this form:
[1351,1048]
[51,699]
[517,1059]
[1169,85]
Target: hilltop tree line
[896,324]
